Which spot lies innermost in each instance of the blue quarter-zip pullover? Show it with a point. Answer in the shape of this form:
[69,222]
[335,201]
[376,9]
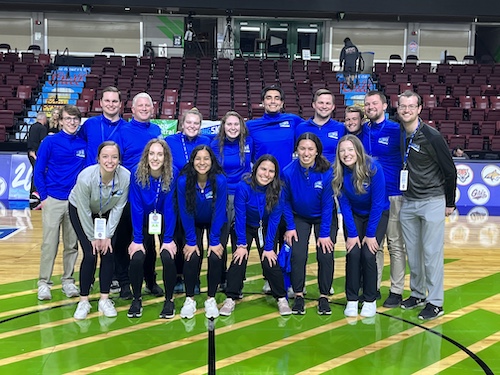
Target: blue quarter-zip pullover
[96,130]
[383,142]
[370,204]
[181,147]
[230,160]
[207,211]
[133,137]
[274,134]
[250,209]
[148,199]
[60,158]
[308,194]
[329,134]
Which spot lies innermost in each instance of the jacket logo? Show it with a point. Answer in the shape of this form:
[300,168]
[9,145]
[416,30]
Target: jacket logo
[318,185]
[247,149]
[80,153]
[209,195]
[383,140]
[334,135]
[284,124]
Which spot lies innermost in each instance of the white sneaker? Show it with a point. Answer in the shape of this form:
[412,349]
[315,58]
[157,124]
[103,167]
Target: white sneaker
[284,307]
[107,307]
[44,292]
[70,290]
[290,293]
[369,309]
[351,308]
[266,289]
[82,310]
[211,310]
[228,307]
[189,308]
[332,291]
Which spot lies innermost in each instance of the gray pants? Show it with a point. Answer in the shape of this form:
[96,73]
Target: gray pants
[395,246]
[422,222]
[55,213]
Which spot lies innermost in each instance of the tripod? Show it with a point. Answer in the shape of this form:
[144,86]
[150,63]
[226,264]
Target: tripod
[228,42]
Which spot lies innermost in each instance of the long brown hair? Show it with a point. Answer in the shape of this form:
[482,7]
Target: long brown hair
[221,136]
[144,171]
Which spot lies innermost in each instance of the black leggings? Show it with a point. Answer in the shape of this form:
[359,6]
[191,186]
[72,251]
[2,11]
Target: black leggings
[89,261]
[300,251]
[123,236]
[192,267]
[236,272]
[362,262]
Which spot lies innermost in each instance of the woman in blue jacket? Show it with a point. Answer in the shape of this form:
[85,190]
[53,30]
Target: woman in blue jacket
[202,197]
[181,145]
[309,203]
[232,147]
[359,185]
[258,206]
[152,189]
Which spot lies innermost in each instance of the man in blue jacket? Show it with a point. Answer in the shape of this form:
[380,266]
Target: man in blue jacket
[60,158]
[105,127]
[327,129]
[274,133]
[382,140]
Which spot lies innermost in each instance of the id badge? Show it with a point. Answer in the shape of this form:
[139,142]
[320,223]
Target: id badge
[154,225]
[260,236]
[403,180]
[99,228]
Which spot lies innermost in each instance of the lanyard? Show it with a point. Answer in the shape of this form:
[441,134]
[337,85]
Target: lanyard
[102,131]
[260,209]
[100,194]
[407,152]
[183,139]
[158,187]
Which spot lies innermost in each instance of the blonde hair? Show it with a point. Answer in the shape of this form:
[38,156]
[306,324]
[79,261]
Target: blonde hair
[362,171]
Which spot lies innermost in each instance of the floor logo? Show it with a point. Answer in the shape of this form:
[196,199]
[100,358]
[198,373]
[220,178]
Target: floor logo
[8,232]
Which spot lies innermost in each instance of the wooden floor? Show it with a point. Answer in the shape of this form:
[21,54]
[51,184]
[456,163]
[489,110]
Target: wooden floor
[43,338]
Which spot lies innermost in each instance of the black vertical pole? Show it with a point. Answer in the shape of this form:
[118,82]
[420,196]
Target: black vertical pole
[211,346]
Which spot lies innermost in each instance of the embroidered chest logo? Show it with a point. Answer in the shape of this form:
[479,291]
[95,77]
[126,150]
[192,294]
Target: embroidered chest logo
[80,153]
[318,185]
[284,124]
[383,141]
[334,135]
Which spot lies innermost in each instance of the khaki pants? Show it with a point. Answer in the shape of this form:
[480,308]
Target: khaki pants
[55,214]
[395,246]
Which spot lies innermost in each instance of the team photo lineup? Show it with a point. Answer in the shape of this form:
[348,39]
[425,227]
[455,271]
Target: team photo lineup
[123,194]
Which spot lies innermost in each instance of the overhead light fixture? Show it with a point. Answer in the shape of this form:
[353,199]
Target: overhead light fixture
[340,16]
[86,8]
[127,9]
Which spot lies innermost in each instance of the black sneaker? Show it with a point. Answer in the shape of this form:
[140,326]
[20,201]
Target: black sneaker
[135,310]
[324,306]
[155,290]
[394,300]
[430,312]
[412,302]
[298,306]
[168,311]
[125,292]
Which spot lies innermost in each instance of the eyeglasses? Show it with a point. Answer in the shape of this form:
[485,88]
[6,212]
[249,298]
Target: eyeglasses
[411,107]
[71,119]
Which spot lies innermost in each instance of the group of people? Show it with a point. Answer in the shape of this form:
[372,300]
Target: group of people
[272,180]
